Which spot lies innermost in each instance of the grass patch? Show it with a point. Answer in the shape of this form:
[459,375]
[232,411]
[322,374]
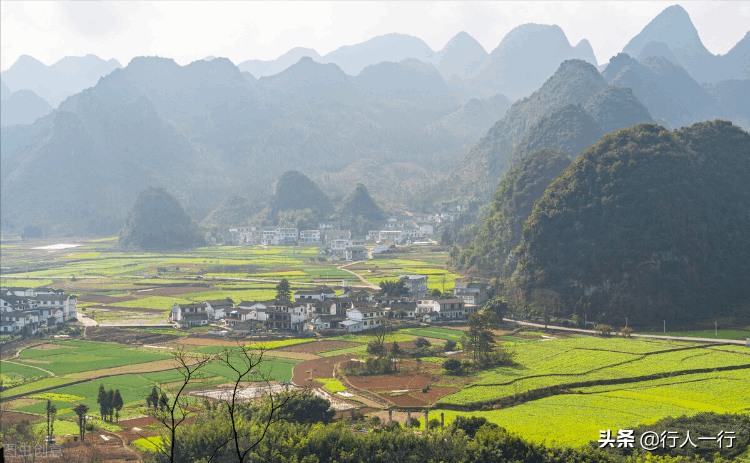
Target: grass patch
[332,385]
[148,444]
[79,356]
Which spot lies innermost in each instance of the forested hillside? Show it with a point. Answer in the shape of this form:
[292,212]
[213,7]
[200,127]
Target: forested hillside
[205,132]
[491,250]
[647,224]
[359,212]
[577,82]
[157,221]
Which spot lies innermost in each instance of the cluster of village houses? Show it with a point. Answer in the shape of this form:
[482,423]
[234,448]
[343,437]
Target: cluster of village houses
[27,310]
[34,309]
[339,244]
[320,309]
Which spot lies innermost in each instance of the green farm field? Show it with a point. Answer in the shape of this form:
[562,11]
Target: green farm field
[153,282]
[601,382]
[574,416]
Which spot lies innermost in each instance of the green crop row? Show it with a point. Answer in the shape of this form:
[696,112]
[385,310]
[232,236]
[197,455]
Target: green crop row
[80,356]
[577,365]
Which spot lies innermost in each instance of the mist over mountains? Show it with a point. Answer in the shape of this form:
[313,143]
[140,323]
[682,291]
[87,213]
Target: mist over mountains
[54,83]
[673,35]
[416,127]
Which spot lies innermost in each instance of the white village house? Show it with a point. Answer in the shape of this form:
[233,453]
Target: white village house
[35,308]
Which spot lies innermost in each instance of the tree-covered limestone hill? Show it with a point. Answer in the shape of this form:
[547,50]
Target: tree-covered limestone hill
[491,250]
[646,224]
[568,128]
[235,210]
[359,212]
[617,107]
[295,191]
[479,171]
[157,221]
[205,127]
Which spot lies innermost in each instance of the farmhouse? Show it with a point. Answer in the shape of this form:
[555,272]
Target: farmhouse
[369,314]
[352,326]
[325,322]
[189,315]
[416,284]
[41,307]
[449,308]
[320,293]
[217,309]
[471,293]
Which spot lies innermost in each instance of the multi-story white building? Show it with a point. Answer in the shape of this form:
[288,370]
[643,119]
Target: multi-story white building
[245,235]
[217,309]
[310,237]
[321,293]
[187,315]
[416,284]
[45,307]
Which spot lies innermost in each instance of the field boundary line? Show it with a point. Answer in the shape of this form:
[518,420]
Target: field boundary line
[641,356]
[557,389]
[658,385]
[634,335]
[38,368]
[366,394]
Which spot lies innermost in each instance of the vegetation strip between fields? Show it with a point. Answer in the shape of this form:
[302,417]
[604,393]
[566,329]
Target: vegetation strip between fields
[542,392]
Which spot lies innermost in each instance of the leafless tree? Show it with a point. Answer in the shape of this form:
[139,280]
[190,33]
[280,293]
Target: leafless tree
[243,361]
[175,409]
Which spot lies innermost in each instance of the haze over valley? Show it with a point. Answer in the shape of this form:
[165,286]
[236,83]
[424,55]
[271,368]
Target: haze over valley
[441,232]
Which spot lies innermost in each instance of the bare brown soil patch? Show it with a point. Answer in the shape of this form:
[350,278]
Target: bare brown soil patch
[318,346]
[94,449]
[36,361]
[50,347]
[303,372]
[398,381]
[12,418]
[140,422]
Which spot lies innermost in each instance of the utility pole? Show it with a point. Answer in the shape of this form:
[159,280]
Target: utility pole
[626,322]
[716,328]
[665,326]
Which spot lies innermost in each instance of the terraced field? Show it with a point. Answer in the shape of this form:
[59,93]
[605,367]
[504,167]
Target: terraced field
[600,381]
[561,362]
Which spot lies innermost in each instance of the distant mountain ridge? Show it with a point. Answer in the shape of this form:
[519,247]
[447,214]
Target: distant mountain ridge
[669,92]
[672,34]
[576,82]
[55,83]
[22,107]
[199,130]
[462,62]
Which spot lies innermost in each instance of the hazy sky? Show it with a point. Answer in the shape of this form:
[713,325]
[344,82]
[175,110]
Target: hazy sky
[239,30]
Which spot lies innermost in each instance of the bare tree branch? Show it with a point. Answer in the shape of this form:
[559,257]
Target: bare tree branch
[172,415]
